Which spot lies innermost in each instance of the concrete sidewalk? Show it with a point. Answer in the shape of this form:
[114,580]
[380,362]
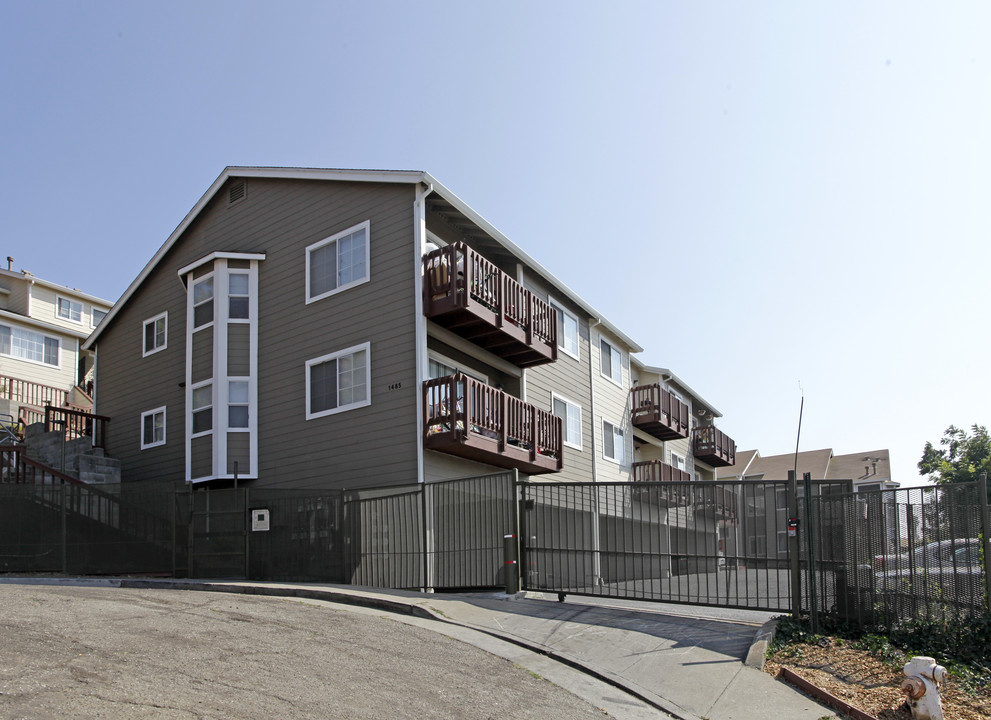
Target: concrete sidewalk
[691,668]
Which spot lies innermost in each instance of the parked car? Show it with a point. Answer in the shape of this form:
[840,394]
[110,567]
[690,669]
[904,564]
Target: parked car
[942,570]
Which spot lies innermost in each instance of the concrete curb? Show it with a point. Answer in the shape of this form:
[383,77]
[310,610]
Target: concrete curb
[758,648]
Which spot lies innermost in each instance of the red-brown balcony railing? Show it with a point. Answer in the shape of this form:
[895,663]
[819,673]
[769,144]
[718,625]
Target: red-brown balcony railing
[716,500]
[713,446]
[663,484]
[658,412]
[470,296]
[30,393]
[466,417]
[77,423]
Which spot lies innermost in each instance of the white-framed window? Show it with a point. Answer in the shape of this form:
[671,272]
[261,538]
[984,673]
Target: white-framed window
[571,420]
[567,329]
[29,345]
[439,366]
[237,405]
[203,302]
[202,408]
[156,334]
[69,309]
[613,442]
[339,381]
[96,316]
[338,262]
[238,300]
[677,461]
[782,541]
[611,361]
[153,428]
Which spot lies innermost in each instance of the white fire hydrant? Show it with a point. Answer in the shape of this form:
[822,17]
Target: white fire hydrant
[921,684]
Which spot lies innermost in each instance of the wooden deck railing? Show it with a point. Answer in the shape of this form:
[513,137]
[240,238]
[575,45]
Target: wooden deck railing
[16,467]
[458,279]
[77,423]
[713,446]
[466,417]
[658,471]
[656,411]
[31,393]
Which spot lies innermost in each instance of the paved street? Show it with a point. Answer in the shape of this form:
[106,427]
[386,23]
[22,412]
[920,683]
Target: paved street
[91,652]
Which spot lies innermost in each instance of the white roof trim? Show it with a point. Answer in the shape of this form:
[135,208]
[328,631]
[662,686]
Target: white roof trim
[383,176]
[219,255]
[55,329]
[671,376]
[92,299]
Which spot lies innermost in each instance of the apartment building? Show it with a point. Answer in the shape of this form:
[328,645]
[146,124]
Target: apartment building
[341,328]
[42,328]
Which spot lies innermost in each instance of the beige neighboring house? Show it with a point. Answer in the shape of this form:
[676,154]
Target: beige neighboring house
[868,471]
[42,328]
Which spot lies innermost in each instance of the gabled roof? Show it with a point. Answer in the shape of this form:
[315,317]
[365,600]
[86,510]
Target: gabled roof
[870,466]
[776,467]
[63,289]
[668,375]
[384,176]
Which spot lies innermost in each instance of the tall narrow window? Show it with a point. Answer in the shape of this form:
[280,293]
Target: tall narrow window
[567,330]
[611,361]
[337,262]
[153,428]
[237,296]
[571,417]
[155,334]
[337,382]
[613,442]
[203,302]
[237,404]
[203,409]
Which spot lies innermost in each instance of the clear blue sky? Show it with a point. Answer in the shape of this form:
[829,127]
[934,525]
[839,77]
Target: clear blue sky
[761,194]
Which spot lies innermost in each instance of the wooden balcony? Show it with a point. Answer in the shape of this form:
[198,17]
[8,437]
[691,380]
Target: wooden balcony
[661,484]
[467,418]
[713,446]
[470,296]
[715,500]
[658,412]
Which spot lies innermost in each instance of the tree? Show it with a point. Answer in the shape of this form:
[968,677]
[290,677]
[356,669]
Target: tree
[963,457]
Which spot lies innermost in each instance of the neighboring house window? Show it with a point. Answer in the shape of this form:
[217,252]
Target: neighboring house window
[337,382]
[237,404]
[156,334]
[237,296]
[97,316]
[28,345]
[567,330]
[203,409]
[69,310]
[782,541]
[153,428]
[611,362]
[203,302]
[677,462]
[337,263]
[571,420]
[613,442]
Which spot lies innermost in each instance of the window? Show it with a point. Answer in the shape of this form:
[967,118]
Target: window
[203,409]
[96,316]
[29,345]
[567,330]
[156,334]
[571,420]
[337,263]
[613,442]
[611,362]
[69,310]
[237,296]
[237,404]
[153,428]
[337,382]
[782,541]
[677,462]
[203,302]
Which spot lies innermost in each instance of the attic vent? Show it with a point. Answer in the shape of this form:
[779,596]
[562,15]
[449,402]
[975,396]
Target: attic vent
[237,191]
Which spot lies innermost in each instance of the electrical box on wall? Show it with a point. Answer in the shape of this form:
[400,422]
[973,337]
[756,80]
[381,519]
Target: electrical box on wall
[259,519]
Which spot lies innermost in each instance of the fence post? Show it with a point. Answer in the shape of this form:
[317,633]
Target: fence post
[515,480]
[423,521]
[65,539]
[986,538]
[796,570]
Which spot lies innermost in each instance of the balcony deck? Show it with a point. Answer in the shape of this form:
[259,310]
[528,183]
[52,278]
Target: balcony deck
[713,446]
[465,417]
[470,296]
[661,484]
[659,413]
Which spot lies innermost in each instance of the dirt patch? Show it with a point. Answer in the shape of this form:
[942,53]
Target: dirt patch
[868,683]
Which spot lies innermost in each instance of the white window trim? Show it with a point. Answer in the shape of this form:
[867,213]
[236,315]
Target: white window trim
[236,271]
[193,304]
[566,401]
[228,404]
[620,462]
[332,356]
[40,363]
[333,239]
[682,458]
[578,327]
[145,352]
[144,445]
[458,367]
[92,319]
[617,351]
[212,406]
[71,302]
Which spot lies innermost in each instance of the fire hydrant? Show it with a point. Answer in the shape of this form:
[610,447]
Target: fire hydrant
[921,684]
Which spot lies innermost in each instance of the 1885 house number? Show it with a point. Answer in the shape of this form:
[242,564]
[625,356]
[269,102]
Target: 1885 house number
[395,386]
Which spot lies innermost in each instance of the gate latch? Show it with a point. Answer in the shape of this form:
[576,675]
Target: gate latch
[792,527]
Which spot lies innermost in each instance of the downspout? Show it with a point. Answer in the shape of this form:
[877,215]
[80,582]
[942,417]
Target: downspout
[420,375]
[591,394]
[596,532]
